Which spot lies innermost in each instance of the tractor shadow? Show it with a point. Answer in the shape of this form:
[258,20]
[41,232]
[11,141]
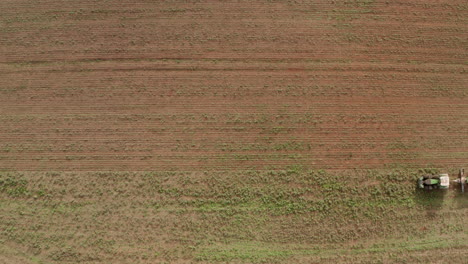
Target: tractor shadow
[461,199]
[432,201]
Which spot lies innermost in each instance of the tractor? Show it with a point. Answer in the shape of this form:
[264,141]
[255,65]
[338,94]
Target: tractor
[431,182]
[462,180]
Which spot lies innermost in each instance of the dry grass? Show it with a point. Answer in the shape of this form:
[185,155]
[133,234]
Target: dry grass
[245,216]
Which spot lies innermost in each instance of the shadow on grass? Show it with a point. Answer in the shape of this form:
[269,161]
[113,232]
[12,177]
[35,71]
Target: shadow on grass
[431,201]
[461,199]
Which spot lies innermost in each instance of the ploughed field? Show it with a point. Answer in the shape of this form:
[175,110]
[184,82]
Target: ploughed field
[234,131]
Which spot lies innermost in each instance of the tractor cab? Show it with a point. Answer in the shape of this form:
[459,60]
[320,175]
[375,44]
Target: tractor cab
[444,181]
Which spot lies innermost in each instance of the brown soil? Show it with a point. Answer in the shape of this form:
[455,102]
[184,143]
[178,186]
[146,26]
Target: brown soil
[184,86]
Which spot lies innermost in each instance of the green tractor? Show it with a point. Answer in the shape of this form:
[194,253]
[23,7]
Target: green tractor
[431,182]
[462,180]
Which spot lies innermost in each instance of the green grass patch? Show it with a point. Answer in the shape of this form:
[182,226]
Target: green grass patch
[243,251]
